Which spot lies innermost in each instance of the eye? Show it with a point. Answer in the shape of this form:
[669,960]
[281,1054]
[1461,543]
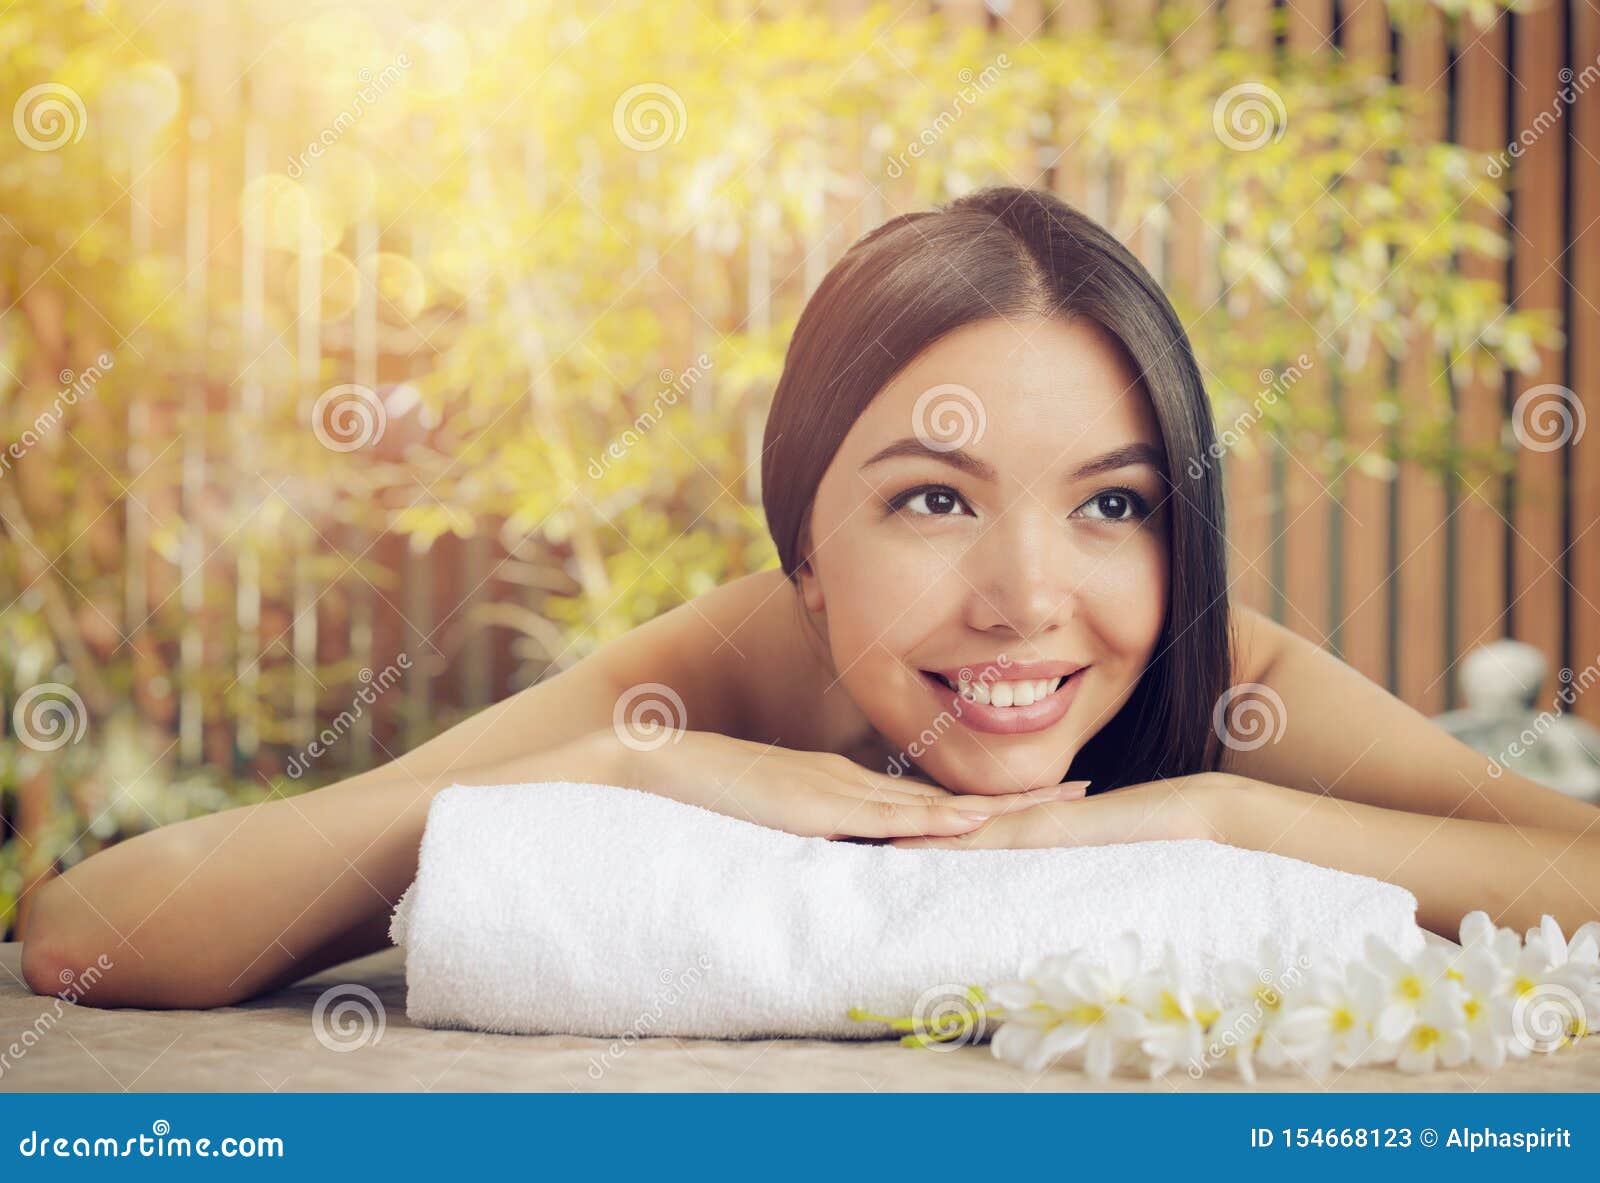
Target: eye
[1118,505]
[931,501]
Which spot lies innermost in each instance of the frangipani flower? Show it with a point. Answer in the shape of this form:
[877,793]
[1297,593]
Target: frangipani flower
[1437,1036]
[1072,1005]
[1175,1017]
[1498,994]
[1409,986]
[1330,1021]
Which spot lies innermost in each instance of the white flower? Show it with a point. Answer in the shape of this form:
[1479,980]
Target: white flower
[1485,1011]
[1175,1016]
[1437,1036]
[1330,1021]
[1409,987]
[1072,1006]
[1499,994]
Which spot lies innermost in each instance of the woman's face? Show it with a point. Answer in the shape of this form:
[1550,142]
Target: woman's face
[993,522]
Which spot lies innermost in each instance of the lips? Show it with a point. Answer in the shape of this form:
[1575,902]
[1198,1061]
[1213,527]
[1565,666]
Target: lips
[1011,720]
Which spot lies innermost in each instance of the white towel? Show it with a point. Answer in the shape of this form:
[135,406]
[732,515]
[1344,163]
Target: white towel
[596,910]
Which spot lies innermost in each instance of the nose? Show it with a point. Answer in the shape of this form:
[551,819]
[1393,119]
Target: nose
[1018,573]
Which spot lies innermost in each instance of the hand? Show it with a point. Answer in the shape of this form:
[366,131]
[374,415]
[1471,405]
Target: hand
[1180,807]
[813,794]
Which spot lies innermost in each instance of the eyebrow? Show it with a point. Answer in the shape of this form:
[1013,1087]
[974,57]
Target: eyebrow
[1123,457]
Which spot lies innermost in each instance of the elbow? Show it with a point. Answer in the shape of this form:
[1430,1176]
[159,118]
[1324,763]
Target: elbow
[71,952]
[65,953]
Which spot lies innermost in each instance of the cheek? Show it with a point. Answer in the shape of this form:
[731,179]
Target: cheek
[1125,599]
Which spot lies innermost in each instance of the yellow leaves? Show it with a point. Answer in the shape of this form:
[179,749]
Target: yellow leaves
[427,521]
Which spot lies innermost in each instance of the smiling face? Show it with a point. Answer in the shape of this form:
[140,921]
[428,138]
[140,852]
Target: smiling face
[992,522]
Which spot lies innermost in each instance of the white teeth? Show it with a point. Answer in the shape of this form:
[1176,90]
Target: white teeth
[1008,694]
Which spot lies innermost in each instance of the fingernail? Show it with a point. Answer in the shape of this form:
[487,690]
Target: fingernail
[974,817]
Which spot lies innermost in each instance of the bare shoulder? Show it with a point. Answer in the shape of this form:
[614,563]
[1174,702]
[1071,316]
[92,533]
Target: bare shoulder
[1258,640]
[717,651]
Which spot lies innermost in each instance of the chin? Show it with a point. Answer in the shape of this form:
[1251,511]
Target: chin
[994,774]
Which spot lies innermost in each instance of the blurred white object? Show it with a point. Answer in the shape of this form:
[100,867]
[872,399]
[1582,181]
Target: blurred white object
[1500,682]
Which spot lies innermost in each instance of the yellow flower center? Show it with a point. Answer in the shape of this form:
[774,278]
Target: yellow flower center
[1343,1020]
[1424,1037]
[1410,987]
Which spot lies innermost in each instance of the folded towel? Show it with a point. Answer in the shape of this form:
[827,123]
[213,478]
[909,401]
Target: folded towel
[596,910]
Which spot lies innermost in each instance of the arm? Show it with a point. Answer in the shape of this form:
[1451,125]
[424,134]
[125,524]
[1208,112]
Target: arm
[1347,737]
[1388,793]
[218,908]
[1453,865]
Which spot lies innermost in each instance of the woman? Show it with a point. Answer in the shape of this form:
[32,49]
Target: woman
[989,471]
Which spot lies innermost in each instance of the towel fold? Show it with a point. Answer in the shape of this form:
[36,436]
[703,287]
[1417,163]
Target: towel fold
[595,910]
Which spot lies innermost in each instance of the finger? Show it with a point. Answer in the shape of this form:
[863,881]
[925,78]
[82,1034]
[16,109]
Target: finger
[835,816]
[1002,803]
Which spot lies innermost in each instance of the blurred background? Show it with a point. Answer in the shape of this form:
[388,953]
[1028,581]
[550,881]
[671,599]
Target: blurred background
[363,363]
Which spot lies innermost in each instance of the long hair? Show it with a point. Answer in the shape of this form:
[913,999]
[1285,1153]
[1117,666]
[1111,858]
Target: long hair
[1003,252]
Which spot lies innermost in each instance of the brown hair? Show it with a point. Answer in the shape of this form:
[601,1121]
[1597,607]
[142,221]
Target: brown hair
[1010,251]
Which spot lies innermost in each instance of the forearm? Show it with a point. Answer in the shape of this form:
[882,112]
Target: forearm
[1452,865]
[218,908]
